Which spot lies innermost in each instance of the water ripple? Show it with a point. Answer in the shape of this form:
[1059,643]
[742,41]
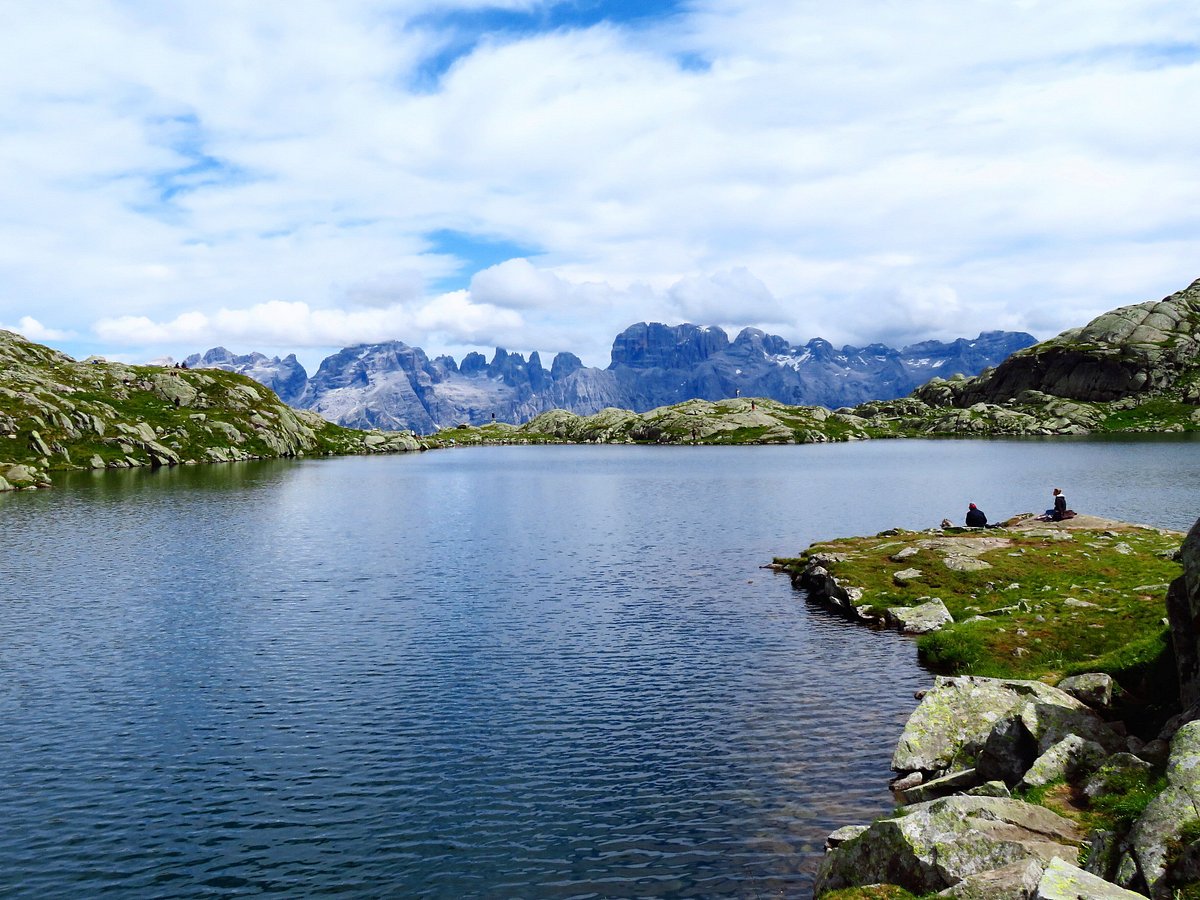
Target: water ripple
[528,674]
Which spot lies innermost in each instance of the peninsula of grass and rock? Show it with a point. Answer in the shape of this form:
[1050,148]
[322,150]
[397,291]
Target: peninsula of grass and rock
[1057,755]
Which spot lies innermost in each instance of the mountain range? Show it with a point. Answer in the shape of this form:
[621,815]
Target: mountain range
[393,386]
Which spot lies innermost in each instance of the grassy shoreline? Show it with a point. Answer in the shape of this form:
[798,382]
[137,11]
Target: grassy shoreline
[1037,600]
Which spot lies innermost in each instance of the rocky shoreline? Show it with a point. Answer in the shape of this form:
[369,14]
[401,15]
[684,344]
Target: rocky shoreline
[1016,787]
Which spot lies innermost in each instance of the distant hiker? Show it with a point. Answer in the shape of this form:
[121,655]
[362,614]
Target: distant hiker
[976,517]
[753,406]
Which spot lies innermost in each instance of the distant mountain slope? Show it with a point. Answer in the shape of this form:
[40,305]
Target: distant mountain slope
[393,385]
[286,377]
[56,413]
[1148,349]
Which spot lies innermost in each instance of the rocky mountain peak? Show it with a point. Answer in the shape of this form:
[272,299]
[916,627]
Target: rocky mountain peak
[1143,349]
[653,345]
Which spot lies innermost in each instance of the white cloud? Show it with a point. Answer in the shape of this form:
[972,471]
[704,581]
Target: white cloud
[168,169]
[734,296]
[34,330]
[283,324]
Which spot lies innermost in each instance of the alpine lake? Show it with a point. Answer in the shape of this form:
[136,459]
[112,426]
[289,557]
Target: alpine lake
[535,672]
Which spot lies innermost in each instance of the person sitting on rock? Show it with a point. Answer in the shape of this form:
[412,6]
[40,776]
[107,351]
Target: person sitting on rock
[1058,512]
[975,517]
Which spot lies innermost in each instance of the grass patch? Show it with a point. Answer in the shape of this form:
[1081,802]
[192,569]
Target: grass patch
[1050,603]
[872,892]
[1126,796]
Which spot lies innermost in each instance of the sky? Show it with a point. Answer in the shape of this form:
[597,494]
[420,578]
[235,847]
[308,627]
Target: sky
[300,175]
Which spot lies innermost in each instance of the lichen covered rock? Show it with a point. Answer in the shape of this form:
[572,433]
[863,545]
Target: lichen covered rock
[935,845]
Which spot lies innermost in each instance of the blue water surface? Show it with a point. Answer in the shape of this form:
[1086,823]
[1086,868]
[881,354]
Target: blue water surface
[512,672]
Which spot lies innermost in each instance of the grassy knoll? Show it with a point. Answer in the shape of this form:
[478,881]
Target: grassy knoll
[1028,602]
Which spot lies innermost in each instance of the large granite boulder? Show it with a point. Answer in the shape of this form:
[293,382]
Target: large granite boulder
[1095,689]
[920,619]
[1071,759]
[1161,823]
[933,846]
[1183,613]
[955,718]
[1063,881]
[1016,881]
[1059,738]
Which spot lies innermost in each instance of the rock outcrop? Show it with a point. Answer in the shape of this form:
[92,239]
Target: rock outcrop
[933,846]
[1134,368]
[56,413]
[1183,613]
[1162,823]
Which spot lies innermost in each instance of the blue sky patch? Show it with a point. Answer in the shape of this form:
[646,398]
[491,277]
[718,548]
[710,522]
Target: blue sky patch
[475,252]
[184,135]
[463,29]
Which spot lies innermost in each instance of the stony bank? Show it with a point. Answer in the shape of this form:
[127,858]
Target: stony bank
[1057,755]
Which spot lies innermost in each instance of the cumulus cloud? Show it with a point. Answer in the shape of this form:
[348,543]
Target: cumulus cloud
[865,171]
[735,295]
[283,324]
[34,330]
[516,284]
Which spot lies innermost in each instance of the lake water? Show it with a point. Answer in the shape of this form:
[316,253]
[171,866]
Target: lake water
[512,672]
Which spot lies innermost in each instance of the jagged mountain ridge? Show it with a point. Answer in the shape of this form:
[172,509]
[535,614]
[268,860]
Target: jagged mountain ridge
[392,385]
[286,377]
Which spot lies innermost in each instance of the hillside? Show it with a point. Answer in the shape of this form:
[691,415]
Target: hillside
[1136,368]
[56,413]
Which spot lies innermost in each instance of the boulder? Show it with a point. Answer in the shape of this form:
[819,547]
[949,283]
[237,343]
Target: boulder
[1063,881]
[954,783]
[1071,759]
[920,619]
[1183,614]
[843,834]
[1095,689]
[933,846]
[1008,751]
[956,716]
[1161,822]
[1016,881]
[1117,766]
[960,562]
[904,576]
[990,789]
[1049,723]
